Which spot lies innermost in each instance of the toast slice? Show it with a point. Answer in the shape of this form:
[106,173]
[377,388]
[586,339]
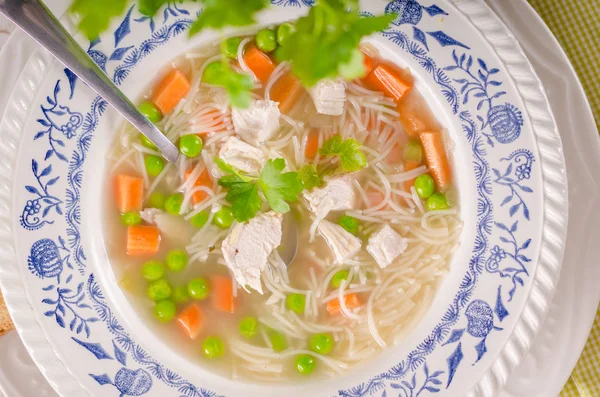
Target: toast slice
[6,324]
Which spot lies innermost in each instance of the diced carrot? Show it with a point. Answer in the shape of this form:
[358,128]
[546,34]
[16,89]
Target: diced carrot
[395,155]
[286,91]
[203,180]
[412,124]
[222,294]
[388,80]
[260,63]
[170,91]
[351,301]
[191,320]
[369,64]
[142,240]
[375,197]
[437,160]
[410,165]
[312,145]
[415,115]
[129,191]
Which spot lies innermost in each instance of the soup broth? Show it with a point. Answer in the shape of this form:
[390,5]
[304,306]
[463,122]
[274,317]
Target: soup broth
[361,277]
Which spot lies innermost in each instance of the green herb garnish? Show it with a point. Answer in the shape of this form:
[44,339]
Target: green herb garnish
[310,177]
[278,187]
[95,15]
[325,43]
[238,85]
[150,7]
[351,157]
[219,13]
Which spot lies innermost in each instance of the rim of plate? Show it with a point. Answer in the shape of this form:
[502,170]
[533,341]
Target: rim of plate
[554,226]
[549,145]
[18,304]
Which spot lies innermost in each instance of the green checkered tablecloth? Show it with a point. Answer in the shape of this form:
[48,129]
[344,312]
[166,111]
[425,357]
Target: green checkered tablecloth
[576,25]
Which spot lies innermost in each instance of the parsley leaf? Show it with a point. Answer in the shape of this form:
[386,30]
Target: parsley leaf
[244,198]
[279,187]
[351,157]
[243,194]
[238,85]
[325,43]
[150,7]
[219,13]
[310,177]
[95,16]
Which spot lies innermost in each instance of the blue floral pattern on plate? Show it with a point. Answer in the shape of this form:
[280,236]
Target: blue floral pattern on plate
[473,89]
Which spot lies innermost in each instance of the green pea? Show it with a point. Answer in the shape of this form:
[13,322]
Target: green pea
[200,219]
[154,165]
[295,302]
[424,185]
[177,260]
[180,295]
[223,218]
[173,203]
[213,72]
[157,200]
[305,364]
[131,218]
[413,151]
[229,47]
[198,289]
[266,40]
[249,327]
[277,340]
[321,343]
[190,145]
[147,142]
[159,290]
[338,277]
[284,31]
[165,310]
[213,347]
[151,111]
[153,270]
[437,201]
[350,224]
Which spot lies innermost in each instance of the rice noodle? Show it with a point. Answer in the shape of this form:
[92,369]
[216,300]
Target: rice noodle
[240,57]
[275,75]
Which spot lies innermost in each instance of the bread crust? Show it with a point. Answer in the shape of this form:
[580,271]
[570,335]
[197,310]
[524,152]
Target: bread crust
[6,324]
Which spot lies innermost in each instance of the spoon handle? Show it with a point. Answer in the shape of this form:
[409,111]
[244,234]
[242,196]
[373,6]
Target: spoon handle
[37,21]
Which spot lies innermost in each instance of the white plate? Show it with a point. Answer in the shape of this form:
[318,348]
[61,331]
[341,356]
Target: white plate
[479,13]
[558,346]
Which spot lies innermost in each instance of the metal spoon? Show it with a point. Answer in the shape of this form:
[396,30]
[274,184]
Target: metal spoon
[289,248]
[38,22]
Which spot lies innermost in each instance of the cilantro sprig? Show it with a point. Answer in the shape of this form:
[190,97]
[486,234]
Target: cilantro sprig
[351,156]
[278,188]
[325,42]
